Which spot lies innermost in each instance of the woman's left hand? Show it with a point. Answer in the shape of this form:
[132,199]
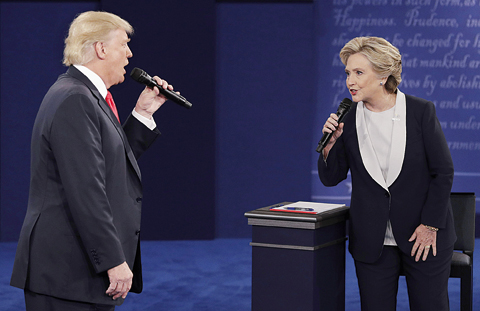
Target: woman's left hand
[424,240]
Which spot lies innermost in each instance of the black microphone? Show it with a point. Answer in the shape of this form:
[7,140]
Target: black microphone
[141,76]
[341,113]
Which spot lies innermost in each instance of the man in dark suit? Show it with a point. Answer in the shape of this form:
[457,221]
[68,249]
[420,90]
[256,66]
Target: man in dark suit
[79,245]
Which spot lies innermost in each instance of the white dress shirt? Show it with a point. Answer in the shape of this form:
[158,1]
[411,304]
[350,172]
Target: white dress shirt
[380,129]
[100,85]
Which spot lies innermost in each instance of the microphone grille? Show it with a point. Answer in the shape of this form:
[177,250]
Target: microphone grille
[345,104]
[137,74]
[346,101]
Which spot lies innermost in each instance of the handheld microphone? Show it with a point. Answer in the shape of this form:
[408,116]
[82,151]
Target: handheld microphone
[342,110]
[141,76]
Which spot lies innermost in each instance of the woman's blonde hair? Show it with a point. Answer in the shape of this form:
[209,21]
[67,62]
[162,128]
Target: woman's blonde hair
[87,29]
[384,57]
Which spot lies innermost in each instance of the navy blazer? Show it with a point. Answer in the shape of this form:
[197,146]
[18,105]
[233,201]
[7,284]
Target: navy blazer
[84,206]
[418,193]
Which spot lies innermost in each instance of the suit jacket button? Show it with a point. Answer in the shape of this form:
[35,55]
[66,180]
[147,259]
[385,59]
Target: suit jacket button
[387,195]
[139,200]
[137,232]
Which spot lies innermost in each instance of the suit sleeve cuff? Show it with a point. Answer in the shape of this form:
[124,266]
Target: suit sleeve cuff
[150,123]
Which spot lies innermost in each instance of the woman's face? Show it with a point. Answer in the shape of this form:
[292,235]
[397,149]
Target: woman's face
[362,81]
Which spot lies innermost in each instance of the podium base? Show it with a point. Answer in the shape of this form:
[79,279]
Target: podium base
[298,261]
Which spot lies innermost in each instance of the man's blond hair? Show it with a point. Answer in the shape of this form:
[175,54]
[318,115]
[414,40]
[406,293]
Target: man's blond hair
[87,29]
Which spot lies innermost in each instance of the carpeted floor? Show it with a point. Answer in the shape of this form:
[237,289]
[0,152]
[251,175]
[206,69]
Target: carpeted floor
[205,275]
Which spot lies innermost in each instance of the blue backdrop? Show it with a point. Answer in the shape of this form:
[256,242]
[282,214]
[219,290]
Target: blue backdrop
[178,170]
[31,51]
[440,46]
[245,143]
[262,76]
[265,92]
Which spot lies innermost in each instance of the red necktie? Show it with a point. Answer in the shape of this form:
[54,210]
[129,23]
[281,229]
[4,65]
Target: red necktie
[111,104]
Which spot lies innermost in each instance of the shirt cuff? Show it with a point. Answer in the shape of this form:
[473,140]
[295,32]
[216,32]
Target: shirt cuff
[150,123]
[324,158]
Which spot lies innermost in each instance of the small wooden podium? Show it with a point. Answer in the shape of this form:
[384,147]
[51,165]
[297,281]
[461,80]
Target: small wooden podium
[298,260]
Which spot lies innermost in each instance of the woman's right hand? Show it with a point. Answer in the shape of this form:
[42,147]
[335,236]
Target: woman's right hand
[331,125]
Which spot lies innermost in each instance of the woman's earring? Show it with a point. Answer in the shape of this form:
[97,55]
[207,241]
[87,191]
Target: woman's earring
[381,83]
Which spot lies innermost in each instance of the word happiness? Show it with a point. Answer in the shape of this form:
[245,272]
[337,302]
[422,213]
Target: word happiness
[343,19]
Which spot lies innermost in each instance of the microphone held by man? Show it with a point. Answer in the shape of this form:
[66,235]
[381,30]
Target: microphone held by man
[141,76]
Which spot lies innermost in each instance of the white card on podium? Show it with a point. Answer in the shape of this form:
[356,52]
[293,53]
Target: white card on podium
[306,207]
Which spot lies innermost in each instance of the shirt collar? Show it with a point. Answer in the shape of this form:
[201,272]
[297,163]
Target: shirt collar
[94,78]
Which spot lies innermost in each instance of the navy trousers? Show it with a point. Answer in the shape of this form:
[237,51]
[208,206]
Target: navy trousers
[39,302]
[427,281]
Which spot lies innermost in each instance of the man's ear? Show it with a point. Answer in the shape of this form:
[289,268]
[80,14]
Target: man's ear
[100,49]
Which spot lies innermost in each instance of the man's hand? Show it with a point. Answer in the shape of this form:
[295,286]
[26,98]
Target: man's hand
[120,281]
[150,100]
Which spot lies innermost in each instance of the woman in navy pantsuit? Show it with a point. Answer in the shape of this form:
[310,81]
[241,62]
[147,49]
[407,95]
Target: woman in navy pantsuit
[402,173]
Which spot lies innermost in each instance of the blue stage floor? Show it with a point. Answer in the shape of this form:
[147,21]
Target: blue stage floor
[206,275]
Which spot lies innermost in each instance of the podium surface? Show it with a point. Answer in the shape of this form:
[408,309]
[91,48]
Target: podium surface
[298,260]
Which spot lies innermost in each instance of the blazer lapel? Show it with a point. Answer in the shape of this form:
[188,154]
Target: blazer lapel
[399,139]
[106,109]
[397,152]
[367,152]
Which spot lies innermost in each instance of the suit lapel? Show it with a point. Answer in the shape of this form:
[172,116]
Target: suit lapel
[108,111]
[111,116]
[399,138]
[367,152]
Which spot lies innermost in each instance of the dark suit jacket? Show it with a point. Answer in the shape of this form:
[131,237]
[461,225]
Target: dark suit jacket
[84,207]
[417,193]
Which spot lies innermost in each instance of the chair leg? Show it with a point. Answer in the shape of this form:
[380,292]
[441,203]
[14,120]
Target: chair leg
[466,288]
